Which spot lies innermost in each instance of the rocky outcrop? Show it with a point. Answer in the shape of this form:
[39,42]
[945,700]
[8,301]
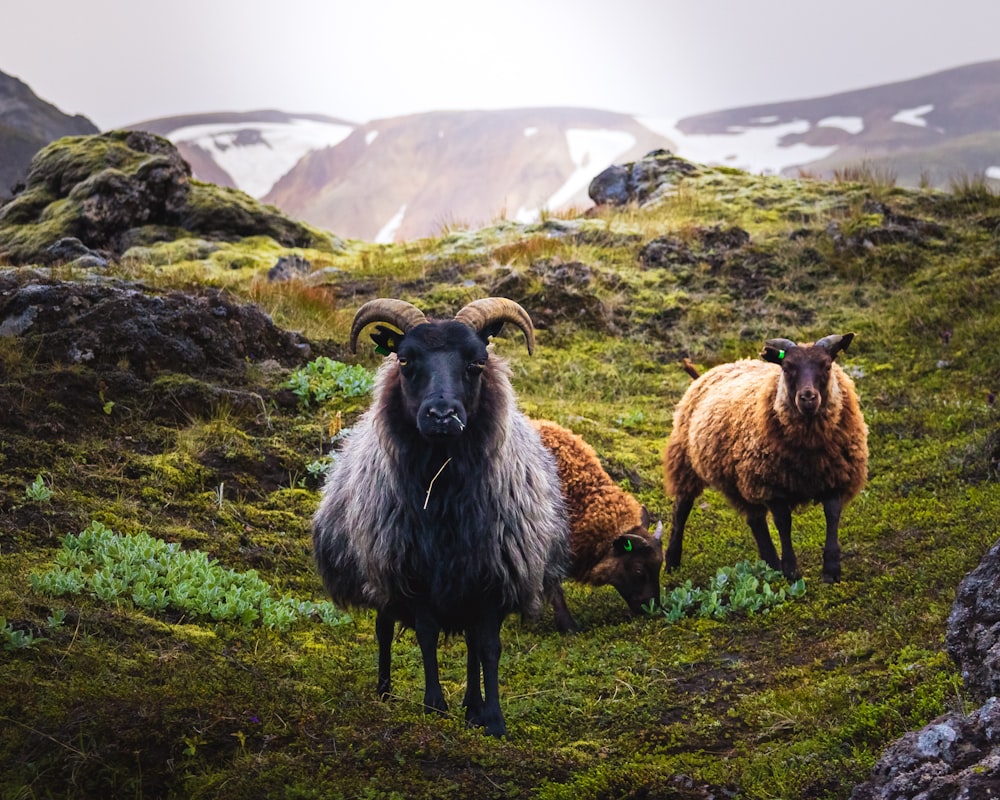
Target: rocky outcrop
[955,757]
[126,188]
[639,182]
[114,325]
[973,635]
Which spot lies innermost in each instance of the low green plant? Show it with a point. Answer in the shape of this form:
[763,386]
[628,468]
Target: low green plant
[323,379]
[746,588]
[155,575]
[38,490]
[12,638]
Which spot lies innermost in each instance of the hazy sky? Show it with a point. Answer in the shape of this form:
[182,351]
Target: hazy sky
[123,61]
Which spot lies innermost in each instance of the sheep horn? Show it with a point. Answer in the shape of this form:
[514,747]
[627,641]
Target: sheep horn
[403,315]
[833,344]
[489,311]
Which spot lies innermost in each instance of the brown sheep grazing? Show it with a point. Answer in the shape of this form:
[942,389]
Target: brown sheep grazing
[770,435]
[609,535]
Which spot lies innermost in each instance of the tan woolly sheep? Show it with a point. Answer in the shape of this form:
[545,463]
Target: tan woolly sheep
[609,537]
[770,435]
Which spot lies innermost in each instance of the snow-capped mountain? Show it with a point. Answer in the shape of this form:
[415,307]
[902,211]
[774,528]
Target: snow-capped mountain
[407,177]
[248,150]
[925,130]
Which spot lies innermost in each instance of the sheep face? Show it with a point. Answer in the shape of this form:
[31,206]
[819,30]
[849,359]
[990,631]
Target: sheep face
[633,567]
[805,371]
[441,368]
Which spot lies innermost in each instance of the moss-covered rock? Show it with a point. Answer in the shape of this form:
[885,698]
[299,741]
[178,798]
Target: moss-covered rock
[122,189]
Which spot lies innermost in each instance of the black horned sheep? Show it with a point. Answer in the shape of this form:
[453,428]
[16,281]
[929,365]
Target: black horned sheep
[443,510]
[609,539]
[770,435]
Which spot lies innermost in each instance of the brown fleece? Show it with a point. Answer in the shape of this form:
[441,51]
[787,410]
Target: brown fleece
[599,510]
[736,430]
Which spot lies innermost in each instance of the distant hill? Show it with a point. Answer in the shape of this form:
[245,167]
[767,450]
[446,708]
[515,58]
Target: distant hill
[410,176]
[28,123]
[925,130]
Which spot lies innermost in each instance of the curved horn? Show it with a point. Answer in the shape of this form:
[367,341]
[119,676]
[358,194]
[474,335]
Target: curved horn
[479,314]
[834,344]
[403,315]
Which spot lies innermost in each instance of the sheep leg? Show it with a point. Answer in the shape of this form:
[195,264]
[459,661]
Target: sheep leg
[563,618]
[484,649]
[831,550]
[682,510]
[782,513]
[427,631]
[473,701]
[761,534]
[385,628]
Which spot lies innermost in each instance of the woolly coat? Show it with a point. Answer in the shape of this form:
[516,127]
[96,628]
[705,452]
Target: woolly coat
[398,524]
[737,429]
[599,510]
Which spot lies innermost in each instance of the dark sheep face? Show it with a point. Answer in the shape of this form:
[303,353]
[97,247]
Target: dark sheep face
[806,373]
[441,368]
[635,569]
[806,370]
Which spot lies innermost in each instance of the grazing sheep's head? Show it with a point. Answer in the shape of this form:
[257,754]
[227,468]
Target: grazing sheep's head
[634,566]
[440,363]
[806,369]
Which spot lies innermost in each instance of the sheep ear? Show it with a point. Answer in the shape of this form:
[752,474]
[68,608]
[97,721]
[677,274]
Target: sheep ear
[775,349]
[834,344]
[644,515]
[386,340]
[491,329]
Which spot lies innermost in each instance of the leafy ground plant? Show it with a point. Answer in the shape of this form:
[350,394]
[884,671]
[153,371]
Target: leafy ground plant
[745,588]
[156,576]
[323,379]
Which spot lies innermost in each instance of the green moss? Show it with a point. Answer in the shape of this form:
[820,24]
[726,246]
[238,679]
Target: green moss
[795,703]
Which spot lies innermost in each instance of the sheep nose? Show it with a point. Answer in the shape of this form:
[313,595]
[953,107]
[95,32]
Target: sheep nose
[441,412]
[808,400]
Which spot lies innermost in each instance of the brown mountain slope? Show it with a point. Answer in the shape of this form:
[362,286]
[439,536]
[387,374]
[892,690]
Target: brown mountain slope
[408,177]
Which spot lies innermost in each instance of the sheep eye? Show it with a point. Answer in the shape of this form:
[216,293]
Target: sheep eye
[402,361]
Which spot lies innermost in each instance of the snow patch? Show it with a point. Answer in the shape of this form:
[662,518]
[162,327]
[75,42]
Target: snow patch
[370,136]
[257,154]
[387,233]
[993,172]
[913,116]
[752,149]
[850,124]
[529,132]
[591,151]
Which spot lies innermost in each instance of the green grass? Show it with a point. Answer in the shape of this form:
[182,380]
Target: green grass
[798,702]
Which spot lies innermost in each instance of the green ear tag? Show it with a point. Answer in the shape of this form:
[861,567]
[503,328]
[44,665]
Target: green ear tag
[781,354]
[627,547]
[381,350]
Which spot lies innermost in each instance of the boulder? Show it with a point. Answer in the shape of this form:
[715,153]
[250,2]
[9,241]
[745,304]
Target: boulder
[955,756]
[639,182]
[123,189]
[973,632]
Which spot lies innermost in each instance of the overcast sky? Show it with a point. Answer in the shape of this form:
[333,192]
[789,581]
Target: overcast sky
[124,61]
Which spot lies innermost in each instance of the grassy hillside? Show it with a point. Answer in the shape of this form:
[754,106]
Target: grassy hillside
[105,695]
